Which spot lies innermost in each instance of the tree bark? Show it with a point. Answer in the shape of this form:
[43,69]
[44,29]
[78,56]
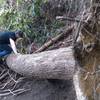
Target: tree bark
[54,64]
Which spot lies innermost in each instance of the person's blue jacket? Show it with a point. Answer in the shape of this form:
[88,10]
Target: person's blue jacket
[4,37]
[5,48]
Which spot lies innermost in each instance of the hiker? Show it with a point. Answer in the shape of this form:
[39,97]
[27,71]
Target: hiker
[5,47]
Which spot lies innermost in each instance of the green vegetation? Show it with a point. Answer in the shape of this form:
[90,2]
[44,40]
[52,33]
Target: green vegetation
[26,15]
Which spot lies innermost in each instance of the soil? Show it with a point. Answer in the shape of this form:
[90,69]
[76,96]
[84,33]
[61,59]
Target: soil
[45,90]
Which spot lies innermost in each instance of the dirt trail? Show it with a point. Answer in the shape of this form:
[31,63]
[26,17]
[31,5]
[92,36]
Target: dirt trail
[46,90]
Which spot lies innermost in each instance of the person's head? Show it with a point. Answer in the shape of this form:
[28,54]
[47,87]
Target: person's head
[19,34]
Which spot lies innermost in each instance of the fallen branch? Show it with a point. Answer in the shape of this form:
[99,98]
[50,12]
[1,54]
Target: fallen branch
[69,19]
[54,64]
[55,39]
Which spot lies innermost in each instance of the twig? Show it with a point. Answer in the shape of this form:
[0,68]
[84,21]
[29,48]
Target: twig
[18,81]
[11,92]
[11,77]
[19,91]
[69,19]
[3,71]
[6,84]
[3,76]
[14,93]
[4,94]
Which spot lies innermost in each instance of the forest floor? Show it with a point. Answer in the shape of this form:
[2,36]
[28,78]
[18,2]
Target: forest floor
[16,87]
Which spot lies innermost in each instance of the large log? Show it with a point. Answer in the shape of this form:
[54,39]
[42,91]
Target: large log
[54,64]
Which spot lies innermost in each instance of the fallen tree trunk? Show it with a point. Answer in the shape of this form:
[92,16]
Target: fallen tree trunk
[54,64]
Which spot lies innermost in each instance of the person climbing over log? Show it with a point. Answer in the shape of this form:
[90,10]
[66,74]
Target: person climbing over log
[7,40]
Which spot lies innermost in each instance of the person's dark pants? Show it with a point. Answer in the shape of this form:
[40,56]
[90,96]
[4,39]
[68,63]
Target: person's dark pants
[5,49]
